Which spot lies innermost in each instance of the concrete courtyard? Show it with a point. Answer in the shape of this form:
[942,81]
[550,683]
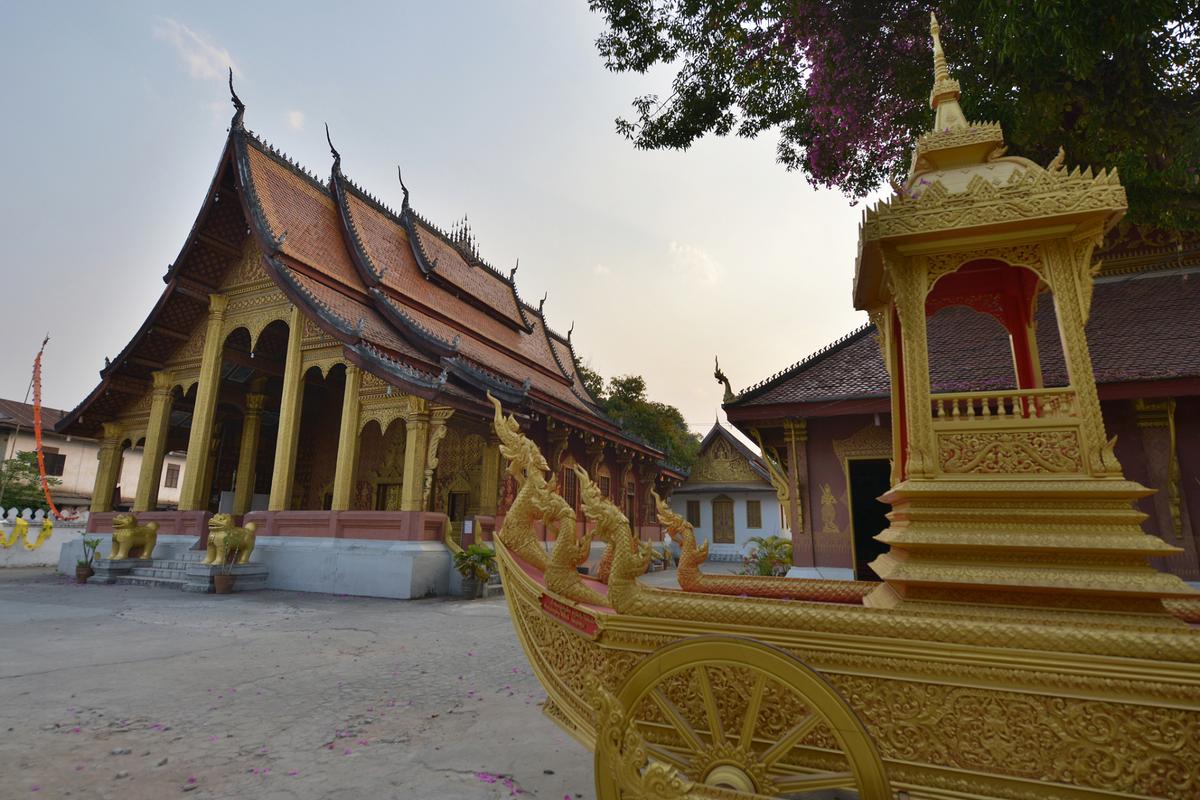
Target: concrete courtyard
[131,692]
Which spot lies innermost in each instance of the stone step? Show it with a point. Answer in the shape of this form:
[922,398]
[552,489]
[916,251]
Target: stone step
[138,580]
[157,572]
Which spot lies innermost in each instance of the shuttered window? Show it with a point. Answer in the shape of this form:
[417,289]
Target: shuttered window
[753,513]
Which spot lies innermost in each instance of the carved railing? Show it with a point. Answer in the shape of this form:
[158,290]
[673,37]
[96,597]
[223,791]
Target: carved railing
[1051,406]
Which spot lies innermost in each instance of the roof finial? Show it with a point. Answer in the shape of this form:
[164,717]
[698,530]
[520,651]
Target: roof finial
[542,303]
[239,106]
[513,273]
[403,188]
[570,331]
[337,157]
[944,96]
[720,377]
[940,71]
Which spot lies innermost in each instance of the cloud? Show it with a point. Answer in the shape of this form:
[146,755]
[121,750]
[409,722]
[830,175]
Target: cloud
[692,262]
[601,269]
[203,59]
[295,120]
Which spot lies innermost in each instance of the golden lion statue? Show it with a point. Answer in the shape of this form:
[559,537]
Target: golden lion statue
[132,540]
[226,539]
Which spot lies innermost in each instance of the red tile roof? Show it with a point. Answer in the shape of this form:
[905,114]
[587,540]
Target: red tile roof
[407,300]
[1143,327]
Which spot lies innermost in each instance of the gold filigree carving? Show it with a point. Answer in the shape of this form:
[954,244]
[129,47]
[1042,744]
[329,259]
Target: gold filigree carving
[1010,452]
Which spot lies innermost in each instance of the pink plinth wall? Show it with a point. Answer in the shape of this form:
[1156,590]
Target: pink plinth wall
[400,526]
[177,523]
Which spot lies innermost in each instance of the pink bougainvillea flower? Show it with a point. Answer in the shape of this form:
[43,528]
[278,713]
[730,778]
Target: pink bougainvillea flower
[293,772]
[486,777]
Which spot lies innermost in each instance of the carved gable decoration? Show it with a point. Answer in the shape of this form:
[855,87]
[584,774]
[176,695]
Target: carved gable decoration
[720,462]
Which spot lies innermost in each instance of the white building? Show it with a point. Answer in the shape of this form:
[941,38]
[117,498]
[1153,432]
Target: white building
[74,460]
[728,497]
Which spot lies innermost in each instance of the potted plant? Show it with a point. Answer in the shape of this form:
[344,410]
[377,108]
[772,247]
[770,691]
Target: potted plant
[770,556]
[474,563]
[223,578]
[83,566]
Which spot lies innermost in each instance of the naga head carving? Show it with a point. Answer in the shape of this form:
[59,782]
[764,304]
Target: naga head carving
[524,457]
[598,508]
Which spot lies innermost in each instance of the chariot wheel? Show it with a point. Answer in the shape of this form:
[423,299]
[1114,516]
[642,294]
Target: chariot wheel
[728,717]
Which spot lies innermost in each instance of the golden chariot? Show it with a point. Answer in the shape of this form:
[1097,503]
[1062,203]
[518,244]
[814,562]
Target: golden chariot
[1019,645]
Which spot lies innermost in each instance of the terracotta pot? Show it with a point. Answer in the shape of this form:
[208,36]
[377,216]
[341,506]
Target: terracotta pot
[83,573]
[223,584]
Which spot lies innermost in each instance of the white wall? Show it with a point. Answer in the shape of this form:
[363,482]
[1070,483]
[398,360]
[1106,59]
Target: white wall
[83,460]
[742,533]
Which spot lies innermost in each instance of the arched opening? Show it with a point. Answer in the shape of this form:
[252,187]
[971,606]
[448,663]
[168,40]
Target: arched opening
[380,472]
[989,288]
[320,422]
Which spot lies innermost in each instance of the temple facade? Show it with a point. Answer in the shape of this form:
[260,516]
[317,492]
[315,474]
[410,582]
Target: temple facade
[829,416]
[325,363]
[729,498]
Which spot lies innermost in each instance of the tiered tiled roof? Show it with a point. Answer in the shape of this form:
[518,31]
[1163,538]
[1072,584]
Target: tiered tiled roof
[1143,327]
[408,301]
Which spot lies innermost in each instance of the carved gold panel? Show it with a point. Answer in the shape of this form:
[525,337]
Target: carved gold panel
[1013,452]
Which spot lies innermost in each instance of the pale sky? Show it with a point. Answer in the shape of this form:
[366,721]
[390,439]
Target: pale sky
[116,116]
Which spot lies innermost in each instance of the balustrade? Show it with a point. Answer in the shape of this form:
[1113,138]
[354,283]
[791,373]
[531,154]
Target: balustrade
[1005,405]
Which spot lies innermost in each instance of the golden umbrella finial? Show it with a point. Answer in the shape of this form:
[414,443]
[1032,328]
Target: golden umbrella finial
[944,96]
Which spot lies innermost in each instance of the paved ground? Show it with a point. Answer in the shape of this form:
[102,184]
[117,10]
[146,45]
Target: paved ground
[128,692]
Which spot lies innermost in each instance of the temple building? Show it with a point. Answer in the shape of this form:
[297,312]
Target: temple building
[831,417]
[729,496]
[324,362]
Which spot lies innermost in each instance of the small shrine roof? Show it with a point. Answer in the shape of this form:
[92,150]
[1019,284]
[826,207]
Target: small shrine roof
[1143,327]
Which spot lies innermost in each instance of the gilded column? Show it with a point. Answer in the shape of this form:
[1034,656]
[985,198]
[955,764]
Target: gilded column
[910,307]
[290,405]
[489,478]
[109,466]
[243,489]
[1071,283]
[192,495]
[416,429]
[347,453]
[803,545]
[150,476]
[210,468]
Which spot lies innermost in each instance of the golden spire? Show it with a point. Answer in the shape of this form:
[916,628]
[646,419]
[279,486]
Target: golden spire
[944,96]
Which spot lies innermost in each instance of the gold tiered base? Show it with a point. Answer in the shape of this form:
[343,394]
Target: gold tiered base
[1071,545]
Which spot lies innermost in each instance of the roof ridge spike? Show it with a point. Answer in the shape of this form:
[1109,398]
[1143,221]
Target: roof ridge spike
[403,188]
[337,157]
[238,105]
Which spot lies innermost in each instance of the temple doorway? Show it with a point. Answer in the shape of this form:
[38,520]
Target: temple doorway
[722,509]
[869,478]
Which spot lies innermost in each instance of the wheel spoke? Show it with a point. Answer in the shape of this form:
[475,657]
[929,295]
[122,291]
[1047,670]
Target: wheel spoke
[710,705]
[677,720]
[752,708]
[789,740]
[667,756]
[811,783]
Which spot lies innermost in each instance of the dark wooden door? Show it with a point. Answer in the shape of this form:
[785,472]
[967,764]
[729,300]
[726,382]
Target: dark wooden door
[723,521]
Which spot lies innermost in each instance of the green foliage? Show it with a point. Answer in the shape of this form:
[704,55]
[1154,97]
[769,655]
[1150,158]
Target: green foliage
[661,425]
[475,559]
[20,483]
[771,555]
[846,83]
[89,551]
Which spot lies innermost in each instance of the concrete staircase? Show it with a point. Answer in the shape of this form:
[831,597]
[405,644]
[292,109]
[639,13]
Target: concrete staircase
[168,573]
